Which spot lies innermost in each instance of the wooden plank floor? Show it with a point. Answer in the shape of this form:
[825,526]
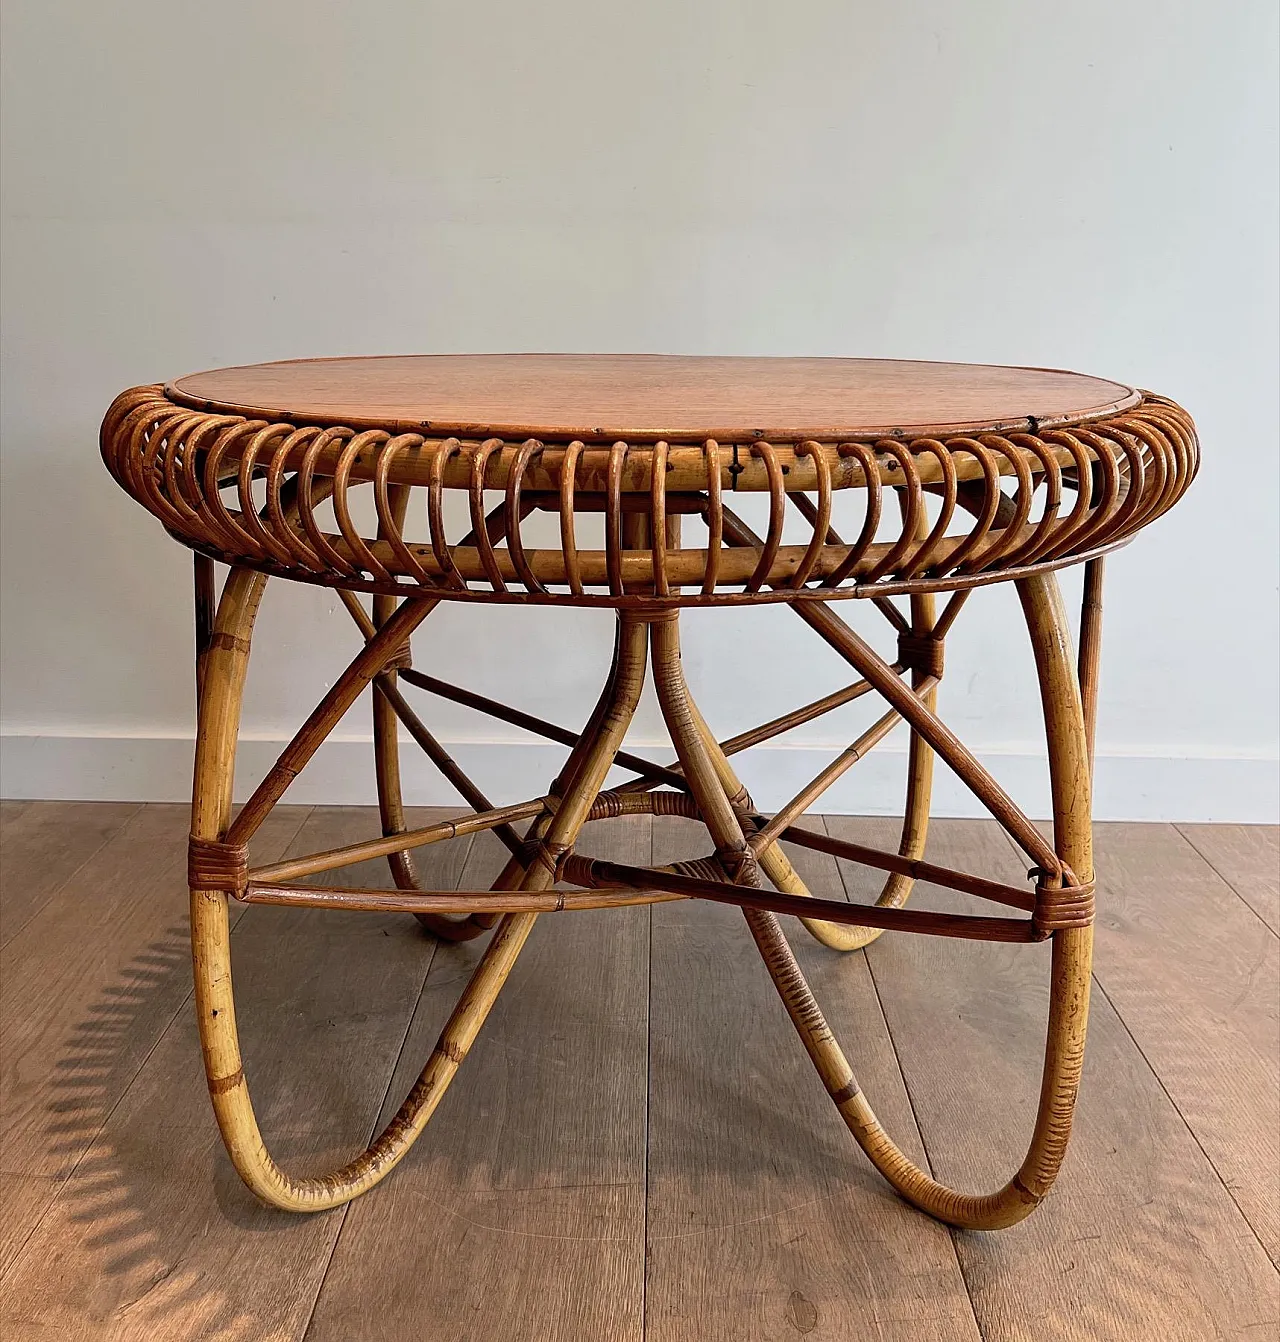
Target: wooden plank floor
[636,1147]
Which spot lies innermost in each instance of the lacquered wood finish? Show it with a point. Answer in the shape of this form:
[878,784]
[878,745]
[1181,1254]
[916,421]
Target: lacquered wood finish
[646,397]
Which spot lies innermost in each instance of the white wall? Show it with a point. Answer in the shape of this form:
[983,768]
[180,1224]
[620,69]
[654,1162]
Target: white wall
[1089,186]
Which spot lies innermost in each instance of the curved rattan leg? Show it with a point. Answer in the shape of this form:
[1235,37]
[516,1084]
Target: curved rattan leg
[621,665]
[1069,985]
[224,666]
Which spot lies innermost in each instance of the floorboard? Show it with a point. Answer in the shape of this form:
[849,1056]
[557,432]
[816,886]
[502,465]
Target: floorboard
[153,1236]
[526,1192]
[1247,857]
[43,845]
[557,1195]
[764,1220]
[10,809]
[87,987]
[1139,1239]
[1195,977]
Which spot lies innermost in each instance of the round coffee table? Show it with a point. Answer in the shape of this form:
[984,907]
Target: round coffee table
[903,479]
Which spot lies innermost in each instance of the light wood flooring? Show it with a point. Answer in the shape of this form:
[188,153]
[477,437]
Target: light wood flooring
[637,1146]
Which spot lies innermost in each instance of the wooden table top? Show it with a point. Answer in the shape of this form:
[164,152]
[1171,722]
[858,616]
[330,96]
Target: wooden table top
[643,397]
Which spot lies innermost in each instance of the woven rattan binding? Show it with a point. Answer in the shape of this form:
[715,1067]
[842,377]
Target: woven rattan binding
[924,654]
[1062,906]
[215,865]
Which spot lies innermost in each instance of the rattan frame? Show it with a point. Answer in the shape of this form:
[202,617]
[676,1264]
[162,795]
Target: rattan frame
[198,472]
[1124,471]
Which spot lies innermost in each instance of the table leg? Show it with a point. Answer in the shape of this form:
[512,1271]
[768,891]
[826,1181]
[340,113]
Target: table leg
[225,664]
[1072,947]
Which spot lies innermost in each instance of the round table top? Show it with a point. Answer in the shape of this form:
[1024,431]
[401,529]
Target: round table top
[644,397]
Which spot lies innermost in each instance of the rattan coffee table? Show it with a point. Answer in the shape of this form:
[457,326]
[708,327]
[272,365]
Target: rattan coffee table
[902,480]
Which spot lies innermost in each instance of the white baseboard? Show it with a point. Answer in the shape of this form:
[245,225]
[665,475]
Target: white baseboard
[1203,787]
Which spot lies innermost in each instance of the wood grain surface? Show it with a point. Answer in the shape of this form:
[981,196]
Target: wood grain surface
[153,1235]
[1245,857]
[1139,1239]
[1194,974]
[87,987]
[764,1220]
[40,851]
[526,1194]
[650,396]
[636,1146]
